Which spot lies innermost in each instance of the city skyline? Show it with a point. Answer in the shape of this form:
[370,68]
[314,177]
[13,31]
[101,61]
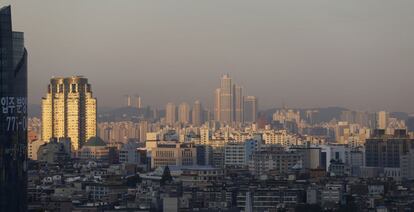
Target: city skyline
[138,101]
[179,141]
[360,61]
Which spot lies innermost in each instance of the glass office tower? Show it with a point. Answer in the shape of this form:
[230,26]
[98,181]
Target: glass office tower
[13,114]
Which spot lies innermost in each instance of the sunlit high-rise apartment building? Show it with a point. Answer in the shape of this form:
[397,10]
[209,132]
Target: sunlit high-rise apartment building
[250,109]
[128,100]
[238,104]
[184,113]
[217,103]
[204,135]
[382,119]
[69,110]
[226,99]
[228,102]
[138,101]
[197,114]
[170,110]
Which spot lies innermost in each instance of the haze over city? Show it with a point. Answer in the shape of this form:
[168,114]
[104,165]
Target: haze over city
[231,106]
[355,54]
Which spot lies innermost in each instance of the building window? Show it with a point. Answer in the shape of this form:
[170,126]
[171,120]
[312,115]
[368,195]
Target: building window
[73,88]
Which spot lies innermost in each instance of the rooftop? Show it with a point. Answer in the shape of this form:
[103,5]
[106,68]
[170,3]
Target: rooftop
[95,141]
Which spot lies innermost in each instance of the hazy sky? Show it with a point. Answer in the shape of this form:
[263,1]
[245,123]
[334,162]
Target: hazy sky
[309,53]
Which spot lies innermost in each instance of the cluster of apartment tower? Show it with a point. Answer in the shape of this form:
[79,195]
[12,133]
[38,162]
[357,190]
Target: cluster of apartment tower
[69,109]
[230,106]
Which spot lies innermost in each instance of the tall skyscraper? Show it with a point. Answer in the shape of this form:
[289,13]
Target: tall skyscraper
[13,116]
[226,99]
[250,109]
[206,115]
[238,104]
[139,101]
[228,102]
[197,114]
[170,111]
[69,110]
[184,113]
[217,111]
[128,100]
[382,120]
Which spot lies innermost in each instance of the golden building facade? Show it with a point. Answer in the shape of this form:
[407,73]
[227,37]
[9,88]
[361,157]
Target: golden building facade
[69,110]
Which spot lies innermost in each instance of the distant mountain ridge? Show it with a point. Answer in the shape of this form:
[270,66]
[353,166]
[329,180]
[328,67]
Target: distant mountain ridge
[325,114]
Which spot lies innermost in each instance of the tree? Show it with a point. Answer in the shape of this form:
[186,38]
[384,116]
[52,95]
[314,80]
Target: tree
[166,176]
[133,180]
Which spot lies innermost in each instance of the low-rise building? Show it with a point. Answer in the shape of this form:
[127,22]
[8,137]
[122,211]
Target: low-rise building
[275,159]
[94,149]
[55,151]
[172,153]
[201,175]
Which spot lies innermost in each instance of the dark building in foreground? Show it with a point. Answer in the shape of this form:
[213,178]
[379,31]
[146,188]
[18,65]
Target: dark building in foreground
[410,123]
[385,151]
[13,113]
